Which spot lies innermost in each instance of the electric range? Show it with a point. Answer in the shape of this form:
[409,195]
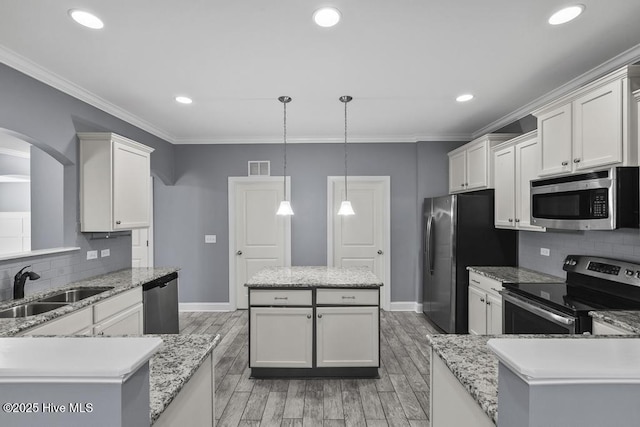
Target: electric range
[592,283]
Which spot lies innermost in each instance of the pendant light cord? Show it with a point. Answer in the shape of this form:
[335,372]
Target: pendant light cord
[285,151]
[346,197]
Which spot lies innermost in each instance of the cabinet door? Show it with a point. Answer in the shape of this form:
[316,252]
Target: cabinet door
[128,322]
[477,166]
[347,336]
[76,323]
[477,311]
[494,315]
[527,168]
[457,172]
[601,328]
[280,337]
[131,175]
[597,127]
[504,170]
[554,131]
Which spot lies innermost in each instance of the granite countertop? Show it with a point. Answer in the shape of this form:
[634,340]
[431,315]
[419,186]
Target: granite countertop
[476,367]
[515,275]
[121,281]
[310,277]
[173,365]
[627,320]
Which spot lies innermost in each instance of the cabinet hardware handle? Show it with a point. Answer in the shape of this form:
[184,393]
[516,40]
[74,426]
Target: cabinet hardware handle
[346,297]
[517,219]
[308,316]
[101,333]
[319,316]
[510,219]
[488,302]
[576,160]
[481,299]
[462,185]
[282,298]
[118,222]
[475,281]
[494,289]
[466,184]
[565,163]
[380,252]
[239,253]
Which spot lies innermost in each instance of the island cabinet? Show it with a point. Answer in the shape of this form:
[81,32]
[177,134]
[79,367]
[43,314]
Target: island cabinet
[592,127]
[313,330]
[485,305]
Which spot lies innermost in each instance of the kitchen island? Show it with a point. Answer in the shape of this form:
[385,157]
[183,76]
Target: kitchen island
[314,321]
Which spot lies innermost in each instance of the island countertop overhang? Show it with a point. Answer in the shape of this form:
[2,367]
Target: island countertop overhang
[314,277]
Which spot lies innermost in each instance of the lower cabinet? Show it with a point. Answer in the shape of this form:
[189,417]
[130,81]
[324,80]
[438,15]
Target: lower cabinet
[485,305]
[281,337]
[602,328]
[347,336]
[121,314]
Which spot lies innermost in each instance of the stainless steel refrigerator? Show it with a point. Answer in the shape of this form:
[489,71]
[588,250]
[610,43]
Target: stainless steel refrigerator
[458,231]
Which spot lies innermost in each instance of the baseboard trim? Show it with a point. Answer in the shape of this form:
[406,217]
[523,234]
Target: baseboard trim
[406,306]
[205,306]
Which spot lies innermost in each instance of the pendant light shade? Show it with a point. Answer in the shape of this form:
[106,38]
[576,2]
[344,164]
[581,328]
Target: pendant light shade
[345,206]
[285,206]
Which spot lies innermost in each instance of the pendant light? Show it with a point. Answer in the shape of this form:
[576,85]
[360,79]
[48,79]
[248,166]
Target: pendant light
[285,206]
[345,206]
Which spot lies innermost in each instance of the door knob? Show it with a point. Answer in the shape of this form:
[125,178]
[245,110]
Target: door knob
[118,222]
[565,163]
[239,253]
[576,160]
[380,252]
[319,316]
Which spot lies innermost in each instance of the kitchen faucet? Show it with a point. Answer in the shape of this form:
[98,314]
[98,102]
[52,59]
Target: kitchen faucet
[19,281]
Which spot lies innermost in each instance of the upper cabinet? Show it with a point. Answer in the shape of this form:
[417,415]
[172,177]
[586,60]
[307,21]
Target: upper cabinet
[516,163]
[115,173]
[471,166]
[591,127]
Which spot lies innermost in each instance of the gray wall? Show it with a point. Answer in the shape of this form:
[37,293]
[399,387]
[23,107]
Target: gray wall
[618,244]
[197,205]
[50,120]
[47,205]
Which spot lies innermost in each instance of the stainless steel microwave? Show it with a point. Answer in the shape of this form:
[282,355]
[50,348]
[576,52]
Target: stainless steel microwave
[602,200]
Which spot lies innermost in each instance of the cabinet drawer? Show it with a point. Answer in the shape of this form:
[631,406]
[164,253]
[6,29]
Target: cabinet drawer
[115,304]
[280,297]
[347,296]
[73,323]
[488,285]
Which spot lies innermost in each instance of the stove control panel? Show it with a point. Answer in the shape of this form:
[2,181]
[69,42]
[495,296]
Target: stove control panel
[604,268]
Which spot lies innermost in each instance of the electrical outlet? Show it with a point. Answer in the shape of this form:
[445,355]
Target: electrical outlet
[105,253]
[92,254]
[209,238]
[545,251]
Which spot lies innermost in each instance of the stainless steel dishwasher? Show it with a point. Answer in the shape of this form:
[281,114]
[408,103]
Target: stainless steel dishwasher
[160,300]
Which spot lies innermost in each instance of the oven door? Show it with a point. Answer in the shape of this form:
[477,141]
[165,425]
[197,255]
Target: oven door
[523,316]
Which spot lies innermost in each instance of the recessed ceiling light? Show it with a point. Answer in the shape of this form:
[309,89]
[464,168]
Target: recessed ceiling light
[86,19]
[567,14]
[464,98]
[184,99]
[326,16]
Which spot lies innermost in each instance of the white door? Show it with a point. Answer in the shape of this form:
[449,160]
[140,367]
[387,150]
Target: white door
[361,240]
[554,132]
[142,239]
[477,166]
[527,168]
[494,315]
[258,237]
[477,311]
[457,171]
[131,176]
[504,187]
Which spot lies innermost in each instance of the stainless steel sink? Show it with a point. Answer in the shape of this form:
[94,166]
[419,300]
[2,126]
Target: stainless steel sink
[29,309]
[77,294]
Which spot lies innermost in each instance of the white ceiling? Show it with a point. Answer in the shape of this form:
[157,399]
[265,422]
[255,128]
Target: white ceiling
[403,61]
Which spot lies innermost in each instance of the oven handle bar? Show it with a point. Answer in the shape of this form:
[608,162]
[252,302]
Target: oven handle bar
[552,317]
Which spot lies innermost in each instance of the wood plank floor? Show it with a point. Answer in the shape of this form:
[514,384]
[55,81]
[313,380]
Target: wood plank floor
[400,397]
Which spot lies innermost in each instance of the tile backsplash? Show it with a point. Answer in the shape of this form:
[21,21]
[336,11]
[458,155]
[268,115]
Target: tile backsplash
[61,269]
[623,244]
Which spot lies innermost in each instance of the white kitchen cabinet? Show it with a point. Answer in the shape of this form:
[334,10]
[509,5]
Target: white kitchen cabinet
[516,163]
[471,166]
[485,305]
[450,403]
[114,183]
[347,336]
[127,322]
[592,127]
[77,323]
[602,328]
[281,337]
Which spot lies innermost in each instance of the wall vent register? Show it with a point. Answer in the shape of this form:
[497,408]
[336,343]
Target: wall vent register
[259,168]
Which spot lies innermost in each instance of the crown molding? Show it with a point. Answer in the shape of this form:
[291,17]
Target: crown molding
[627,57]
[389,139]
[30,68]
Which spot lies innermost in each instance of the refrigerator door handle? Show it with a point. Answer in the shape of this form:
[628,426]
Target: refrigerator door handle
[429,244]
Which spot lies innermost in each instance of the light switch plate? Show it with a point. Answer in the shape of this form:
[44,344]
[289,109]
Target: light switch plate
[92,254]
[209,238]
[544,251]
[105,253]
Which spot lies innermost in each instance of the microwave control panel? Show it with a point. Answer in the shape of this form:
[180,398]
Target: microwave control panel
[599,204]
